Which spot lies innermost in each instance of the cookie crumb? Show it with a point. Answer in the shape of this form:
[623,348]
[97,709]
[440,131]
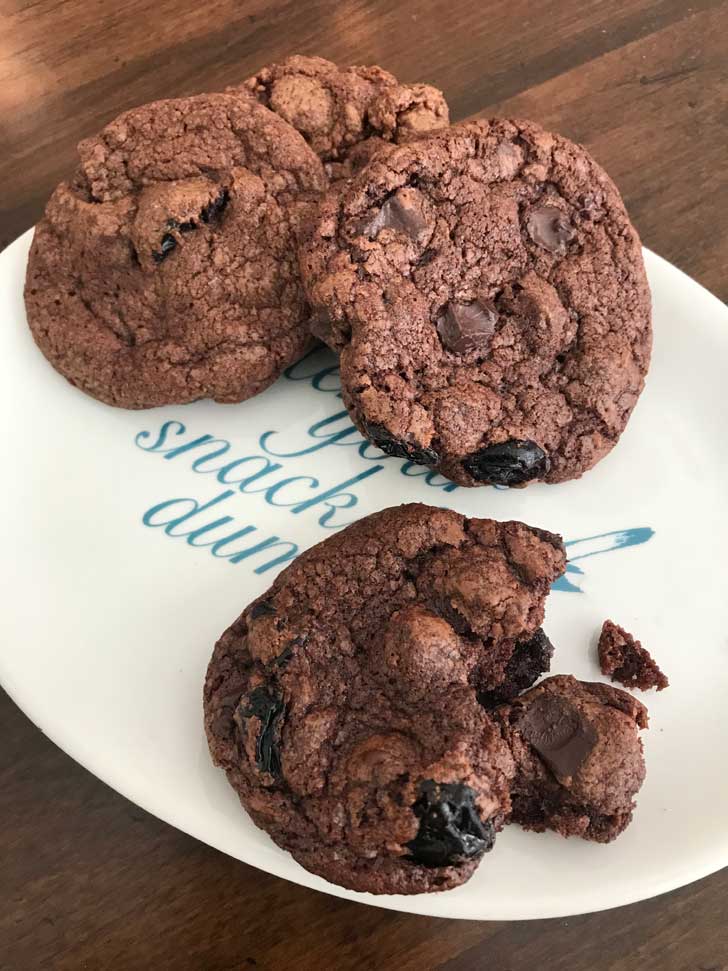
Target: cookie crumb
[622,657]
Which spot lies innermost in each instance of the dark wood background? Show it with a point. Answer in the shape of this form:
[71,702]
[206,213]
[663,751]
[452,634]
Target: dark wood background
[89,881]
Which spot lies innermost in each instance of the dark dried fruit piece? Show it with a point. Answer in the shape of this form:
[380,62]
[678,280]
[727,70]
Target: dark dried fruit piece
[261,609]
[379,436]
[167,245]
[530,659]
[450,828]
[214,208]
[508,463]
[264,706]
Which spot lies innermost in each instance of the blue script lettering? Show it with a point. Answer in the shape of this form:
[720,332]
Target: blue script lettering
[189,509]
[328,438]
[309,368]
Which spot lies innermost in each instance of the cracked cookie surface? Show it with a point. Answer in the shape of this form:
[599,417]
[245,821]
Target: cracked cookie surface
[487,295]
[166,270]
[346,113]
[342,704]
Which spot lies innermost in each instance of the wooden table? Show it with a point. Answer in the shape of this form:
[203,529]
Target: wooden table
[87,880]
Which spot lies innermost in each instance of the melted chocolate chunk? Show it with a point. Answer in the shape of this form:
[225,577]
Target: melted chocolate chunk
[550,228]
[450,828]
[508,463]
[167,245]
[379,436]
[559,733]
[467,326]
[268,710]
[530,659]
[402,212]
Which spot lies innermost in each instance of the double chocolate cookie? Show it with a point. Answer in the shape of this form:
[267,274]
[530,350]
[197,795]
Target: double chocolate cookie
[346,113]
[486,291]
[343,703]
[166,271]
[578,755]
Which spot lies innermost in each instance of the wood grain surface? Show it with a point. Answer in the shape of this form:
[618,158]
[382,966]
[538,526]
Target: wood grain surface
[89,881]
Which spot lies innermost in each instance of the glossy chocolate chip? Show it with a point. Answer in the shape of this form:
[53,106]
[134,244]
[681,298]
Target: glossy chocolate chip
[550,228]
[508,463]
[559,733]
[403,212]
[379,436]
[267,708]
[467,326]
[450,828]
[168,243]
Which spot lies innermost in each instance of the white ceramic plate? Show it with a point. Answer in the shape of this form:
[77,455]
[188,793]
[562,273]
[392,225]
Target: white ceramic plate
[107,624]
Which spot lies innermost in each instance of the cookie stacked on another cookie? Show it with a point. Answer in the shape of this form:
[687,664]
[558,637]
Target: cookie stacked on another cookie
[486,292]
[166,270]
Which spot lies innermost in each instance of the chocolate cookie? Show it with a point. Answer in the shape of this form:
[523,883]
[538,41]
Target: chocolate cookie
[344,113]
[578,756]
[486,291]
[166,270]
[622,657]
[342,704]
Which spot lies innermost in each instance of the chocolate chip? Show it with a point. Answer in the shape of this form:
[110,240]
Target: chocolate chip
[402,212]
[261,609]
[508,463]
[530,659]
[188,226]
[549,227]
[450,828]
[379,436]
[559,733]
[214,208]
[591,208]
[167,245]
[264,706]
[467,326]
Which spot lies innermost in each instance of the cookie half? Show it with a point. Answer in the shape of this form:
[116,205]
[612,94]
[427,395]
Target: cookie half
[166,270]
[486,291]
[343,703]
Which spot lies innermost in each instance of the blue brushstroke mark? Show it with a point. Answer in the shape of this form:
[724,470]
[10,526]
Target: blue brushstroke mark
[604,543]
